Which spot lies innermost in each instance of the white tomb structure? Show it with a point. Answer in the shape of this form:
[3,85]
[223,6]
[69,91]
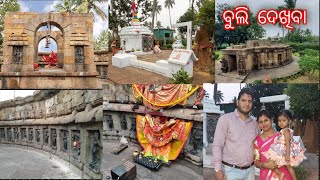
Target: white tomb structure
[136,38]
[179,58]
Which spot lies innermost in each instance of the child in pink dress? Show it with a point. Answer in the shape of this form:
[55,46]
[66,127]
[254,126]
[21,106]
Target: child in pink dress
[285,151]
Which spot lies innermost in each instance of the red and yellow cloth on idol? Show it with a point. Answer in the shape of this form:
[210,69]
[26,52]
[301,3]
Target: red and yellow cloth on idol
[156,97]
[161,137]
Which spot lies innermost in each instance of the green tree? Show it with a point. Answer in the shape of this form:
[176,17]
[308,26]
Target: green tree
[304,102]
[205,17]
[241,33]
[263,90]
[121,14]
[67,6]
[309,62]
[169,4]
[102,42]
[159,24]
[6,6]
[88,6]
[187,16]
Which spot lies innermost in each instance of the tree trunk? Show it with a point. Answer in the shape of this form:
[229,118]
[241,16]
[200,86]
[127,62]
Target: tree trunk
[202,50]
[310,138]
[297,128]
[170,18]
[153,13]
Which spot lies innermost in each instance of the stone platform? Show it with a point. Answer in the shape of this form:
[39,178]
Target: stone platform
[179,169]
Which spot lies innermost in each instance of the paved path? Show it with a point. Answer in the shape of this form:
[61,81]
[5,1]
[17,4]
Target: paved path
[178,170]
[234,77]
[18,163]
[131,75]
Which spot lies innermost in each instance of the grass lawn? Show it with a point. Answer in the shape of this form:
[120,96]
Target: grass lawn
[306,78]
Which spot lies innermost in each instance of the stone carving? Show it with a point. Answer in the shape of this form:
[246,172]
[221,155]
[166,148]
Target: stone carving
[79,50]
[64,145]
[96,147]
[38,135]
[23,134]
[76,145]
[211,126]
[17,54]
[123,122]
[2,134]
[30,134]
[53,139]
[16,134]
[197,138]
[133,124]
[9,132]
[45,136]
[103,71]
[109,121]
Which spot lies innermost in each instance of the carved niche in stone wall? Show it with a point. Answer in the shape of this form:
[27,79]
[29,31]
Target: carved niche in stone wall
[123,122]
[9,133]
[38,136]
[45,136]
[109,121]
[79,54]
[2,134]
[95,149]
[133,124]
[23,134]
[76,145]
[197,138]
[16,134]
[211,126]
[17,54]
[64,142]
[53,138]
[30,132]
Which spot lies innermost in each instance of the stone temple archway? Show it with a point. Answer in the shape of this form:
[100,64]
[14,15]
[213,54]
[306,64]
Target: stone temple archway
[75,50]
[76,31]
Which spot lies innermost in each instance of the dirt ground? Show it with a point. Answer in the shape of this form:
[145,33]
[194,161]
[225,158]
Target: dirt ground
[130,75]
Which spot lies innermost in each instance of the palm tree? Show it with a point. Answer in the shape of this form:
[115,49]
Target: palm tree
[66,6]
[217,94]
[289,4]
[154,7]
[87,6]
[169,4]
[82,6]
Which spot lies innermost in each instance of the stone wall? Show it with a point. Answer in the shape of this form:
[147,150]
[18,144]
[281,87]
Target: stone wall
[101,59]
[119,118]
[1,58]
[65,123]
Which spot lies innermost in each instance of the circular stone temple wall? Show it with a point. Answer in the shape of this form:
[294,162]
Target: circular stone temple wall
[65,123]
[119,119]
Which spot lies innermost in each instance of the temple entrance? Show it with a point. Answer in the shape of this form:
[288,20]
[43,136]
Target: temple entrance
[50,47]
[280,59]
[256,61]
[233,62]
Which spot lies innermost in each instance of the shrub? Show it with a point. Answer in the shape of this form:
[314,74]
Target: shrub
[169,46]
[181,77]
[301,172]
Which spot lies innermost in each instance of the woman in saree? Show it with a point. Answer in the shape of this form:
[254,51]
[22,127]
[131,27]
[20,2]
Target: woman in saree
[268,169]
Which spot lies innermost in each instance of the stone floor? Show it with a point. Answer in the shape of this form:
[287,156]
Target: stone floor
[18,163]
[178,170]
[234,77]
[131,75]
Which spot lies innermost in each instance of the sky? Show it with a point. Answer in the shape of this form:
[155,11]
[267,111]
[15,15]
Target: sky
[9,94]
[180,7]
[229,90]
[312,7]
[44,6]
